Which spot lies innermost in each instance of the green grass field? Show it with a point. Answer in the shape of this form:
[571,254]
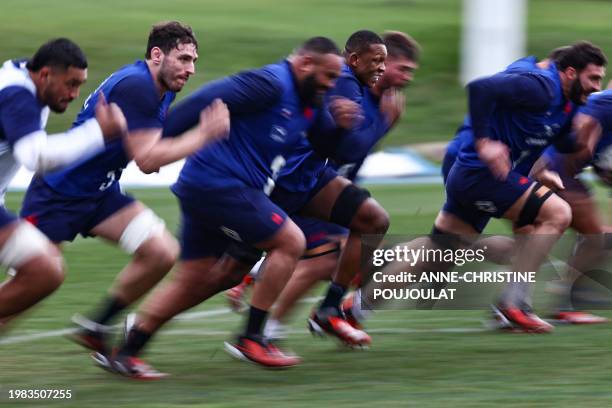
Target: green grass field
[419,358]
[241,34]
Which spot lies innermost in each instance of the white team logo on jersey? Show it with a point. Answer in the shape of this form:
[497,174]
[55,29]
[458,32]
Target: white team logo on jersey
[486,206]
[231,233]
[345,169]
[278,133]
[4,147]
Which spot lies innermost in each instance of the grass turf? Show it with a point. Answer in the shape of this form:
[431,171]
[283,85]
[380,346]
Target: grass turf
[240,34]
[419,358]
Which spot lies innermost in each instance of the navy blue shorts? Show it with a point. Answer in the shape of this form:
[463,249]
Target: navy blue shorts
[6,217]
[293,201]
[62,217]
[474,195]
[318,232]
[212,219]
[452,150]
[447,164]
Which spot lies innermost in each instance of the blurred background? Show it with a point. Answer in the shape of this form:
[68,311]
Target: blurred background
[420,358]
[240,34]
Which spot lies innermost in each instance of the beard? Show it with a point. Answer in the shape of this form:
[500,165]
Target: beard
[55,105]
[165,78]
[308,91]
[57,108]
[576,92]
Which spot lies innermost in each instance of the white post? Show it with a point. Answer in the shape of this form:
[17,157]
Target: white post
[493,36]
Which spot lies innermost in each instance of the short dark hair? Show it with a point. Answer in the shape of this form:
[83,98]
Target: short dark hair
[555,55]
[168,35]
[401,45]
[360,41]
[58,53]
[319,45]
[579,55]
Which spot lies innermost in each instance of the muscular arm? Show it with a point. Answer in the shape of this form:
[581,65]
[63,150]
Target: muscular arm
[530,92]
[355,143]
[512,91]
[21,124]
[153,152]
[40,152]
[351,144]
[586,135]
[583,141]
[578,147]
[243,93]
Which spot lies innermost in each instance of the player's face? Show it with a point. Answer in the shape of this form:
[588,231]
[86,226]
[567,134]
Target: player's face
[177,66]
[324,72]
[61,86]
[369,65]
[399,72]
[585,83]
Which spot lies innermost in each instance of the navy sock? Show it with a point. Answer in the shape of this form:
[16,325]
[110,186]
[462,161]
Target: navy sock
[135,342]
[111,306]
[334,296]
[257,317]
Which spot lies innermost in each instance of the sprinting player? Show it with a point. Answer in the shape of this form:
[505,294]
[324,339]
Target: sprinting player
[50,80]
[593,125]
[308,187]
[223,192]
[583,220]
[514,115]
[85,198]
[382,107]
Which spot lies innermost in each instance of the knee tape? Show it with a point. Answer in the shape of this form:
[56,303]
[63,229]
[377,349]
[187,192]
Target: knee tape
[532,206]
[347,205]
[25,243]
[144,226]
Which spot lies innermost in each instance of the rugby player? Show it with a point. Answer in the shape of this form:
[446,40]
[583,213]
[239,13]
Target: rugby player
[382,105]
[593,125]
[223,193]
[513,116]
[308,187]
[85,198]
[548,168]
[29,90]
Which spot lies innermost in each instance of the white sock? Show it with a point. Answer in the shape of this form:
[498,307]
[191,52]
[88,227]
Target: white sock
[360,313]
[255,270]
[274,329]
[517,294]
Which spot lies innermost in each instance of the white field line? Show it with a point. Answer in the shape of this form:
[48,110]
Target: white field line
[379,330]
[218,312]
[196,315]
[203,332]
[62,332]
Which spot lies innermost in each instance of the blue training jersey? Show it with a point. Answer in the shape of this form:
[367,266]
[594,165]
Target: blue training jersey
[523,107]
[598,106]
[346,150]
[267,120]
[462,135]
[21,114]
[132,88]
